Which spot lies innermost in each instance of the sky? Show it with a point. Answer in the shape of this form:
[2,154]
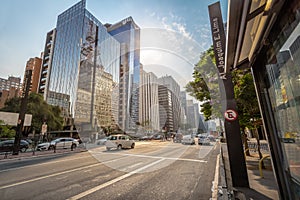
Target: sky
[173,32]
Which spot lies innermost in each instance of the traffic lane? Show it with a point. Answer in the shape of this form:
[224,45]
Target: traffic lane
[39,157]
[44,179]
[49,184]
[27,171]
[178,180]
[60,185]
[64,174]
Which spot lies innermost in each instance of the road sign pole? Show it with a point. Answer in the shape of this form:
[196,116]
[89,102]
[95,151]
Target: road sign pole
[232,128]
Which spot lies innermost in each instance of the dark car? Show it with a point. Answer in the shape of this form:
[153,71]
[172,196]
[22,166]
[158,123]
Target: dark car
[8,145]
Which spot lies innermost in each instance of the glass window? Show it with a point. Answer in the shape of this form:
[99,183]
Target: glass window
[283,72]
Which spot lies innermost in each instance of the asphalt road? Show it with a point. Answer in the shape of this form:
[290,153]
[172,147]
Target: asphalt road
[152,170]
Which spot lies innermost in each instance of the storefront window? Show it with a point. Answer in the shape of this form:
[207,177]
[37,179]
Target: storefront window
[283,70]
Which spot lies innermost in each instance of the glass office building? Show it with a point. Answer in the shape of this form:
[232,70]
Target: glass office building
[128,34]
[84,68]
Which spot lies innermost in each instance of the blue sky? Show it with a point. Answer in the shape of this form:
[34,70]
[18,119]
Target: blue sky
[24,24]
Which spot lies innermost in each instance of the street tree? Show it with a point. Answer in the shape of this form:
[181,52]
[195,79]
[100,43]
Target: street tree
[40,110]
[205,87]
[6,131]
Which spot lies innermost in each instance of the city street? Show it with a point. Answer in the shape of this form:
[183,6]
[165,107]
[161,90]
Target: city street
[152,170]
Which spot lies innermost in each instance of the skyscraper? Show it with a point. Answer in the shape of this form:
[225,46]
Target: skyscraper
[169,103]
[127,33]
[149,106]
[83,68]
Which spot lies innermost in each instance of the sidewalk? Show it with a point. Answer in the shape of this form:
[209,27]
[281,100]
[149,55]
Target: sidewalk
[262,188]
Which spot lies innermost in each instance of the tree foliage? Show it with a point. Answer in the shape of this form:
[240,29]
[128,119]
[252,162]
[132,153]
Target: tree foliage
[40,110]
[6,131]
[204,86]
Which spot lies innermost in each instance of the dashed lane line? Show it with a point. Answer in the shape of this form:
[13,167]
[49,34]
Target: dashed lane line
[92,190]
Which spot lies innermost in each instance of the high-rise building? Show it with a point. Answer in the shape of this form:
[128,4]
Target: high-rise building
[127,33]
[46,63]
[149,106]
[190,114]
[183,108]
[33,64]
[82,64]
[9,88]
[169,103]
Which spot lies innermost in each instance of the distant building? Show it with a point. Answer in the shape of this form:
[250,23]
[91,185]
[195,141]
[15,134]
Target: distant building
[191,121]
[169,103]
[9,88]
[33,64]
[127,32]
[149,105]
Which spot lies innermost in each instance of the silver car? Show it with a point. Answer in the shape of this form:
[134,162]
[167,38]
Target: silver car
[119,141]
[188,139]
[64,143]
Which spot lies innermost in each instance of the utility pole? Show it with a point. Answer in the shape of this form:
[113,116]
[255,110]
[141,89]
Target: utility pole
[22,112]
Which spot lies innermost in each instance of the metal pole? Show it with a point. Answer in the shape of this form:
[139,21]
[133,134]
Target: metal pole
[232,127]
[22,113]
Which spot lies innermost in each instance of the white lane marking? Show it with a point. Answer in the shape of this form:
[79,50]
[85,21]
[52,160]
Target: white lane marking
[215,185]
[48,176]
[157,157]
[51,162]
[131,166]
[56,174]
[92,190]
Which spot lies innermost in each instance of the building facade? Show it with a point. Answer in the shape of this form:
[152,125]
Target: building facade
[33,64]
[169,103]
[9,88]
[149,106]
[81,63]
[265,38]
[46,63]
[127,32]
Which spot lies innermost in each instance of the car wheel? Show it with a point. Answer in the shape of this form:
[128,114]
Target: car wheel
[132,145]
[51,148]
[73,146]
[107,148]
[23,149]
[119,147]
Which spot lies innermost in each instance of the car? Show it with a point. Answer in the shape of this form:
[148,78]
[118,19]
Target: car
[211,138]
[177,138]
[8,145]
[43,146]
[119,141]
[288,140]
[202,140]
[101,141]
[63,143]
[188,139]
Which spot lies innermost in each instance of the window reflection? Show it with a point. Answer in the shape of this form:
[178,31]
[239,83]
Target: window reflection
[284,77]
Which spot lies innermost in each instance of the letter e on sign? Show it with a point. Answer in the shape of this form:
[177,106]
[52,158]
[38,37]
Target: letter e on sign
[230,115]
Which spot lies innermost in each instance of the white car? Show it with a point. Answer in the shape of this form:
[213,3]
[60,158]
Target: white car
[43,146]
[119,141]
[64,143]
[203,140]
[188,139]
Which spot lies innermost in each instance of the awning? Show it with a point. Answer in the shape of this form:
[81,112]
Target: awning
[249,24]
